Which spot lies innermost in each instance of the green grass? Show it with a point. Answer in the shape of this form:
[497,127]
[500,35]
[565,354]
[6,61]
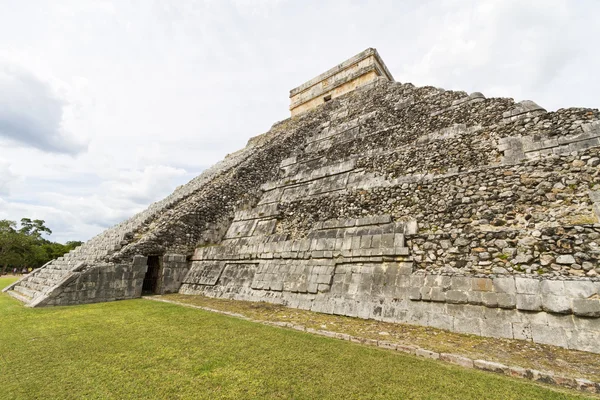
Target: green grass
[146,349]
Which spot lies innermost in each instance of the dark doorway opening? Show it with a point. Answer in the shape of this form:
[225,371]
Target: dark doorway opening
[150,285]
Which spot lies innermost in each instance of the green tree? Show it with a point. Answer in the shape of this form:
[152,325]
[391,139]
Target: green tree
[13,244]
[25,246]
[34,228]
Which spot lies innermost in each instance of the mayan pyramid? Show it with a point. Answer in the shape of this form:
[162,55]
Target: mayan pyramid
[382,200]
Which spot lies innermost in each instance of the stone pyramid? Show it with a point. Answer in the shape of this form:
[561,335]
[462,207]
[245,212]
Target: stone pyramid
[392,202]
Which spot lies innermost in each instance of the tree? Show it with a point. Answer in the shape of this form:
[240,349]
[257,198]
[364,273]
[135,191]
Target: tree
[13,244]
[73,244]
[34,228]
[25,247]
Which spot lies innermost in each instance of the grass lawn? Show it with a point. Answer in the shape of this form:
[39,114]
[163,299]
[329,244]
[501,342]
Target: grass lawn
[146,349]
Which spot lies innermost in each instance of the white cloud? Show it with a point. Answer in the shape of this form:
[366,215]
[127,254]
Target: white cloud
[160,91]
[6,177]
[31,114]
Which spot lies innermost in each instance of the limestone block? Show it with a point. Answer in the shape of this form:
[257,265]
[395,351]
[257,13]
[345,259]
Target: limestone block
[417,280]
[441,321]
[556,304]
[438,294]
[529,302]
[583,340]
[497,328]
[411,227]
[456,359]
[489,299]
[527,285]
[555,288]
[399,240]
[414,293]
[365,241]
[468,325]
[475,298]
[405,268]
[563,321]
[376,220]
[462,283]
[505,285]
[456,297]
[288,161]
[427,354]
[491,366]
[522,330]
[580,289]
[417,317]
[482,284]
[586,307]
[506,300]
[545,334]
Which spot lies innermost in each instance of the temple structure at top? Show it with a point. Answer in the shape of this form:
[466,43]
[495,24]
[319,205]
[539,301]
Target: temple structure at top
[357,71]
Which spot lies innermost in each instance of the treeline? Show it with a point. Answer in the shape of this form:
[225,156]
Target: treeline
[23,247]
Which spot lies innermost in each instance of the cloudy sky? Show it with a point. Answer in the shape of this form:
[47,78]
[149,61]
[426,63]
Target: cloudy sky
[107,106]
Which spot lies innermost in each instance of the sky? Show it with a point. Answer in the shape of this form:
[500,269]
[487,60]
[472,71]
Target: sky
[108,106]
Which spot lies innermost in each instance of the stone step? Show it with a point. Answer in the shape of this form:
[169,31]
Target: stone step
[19,297]
[51,275]
[26,292]
[32,285]
[37,280]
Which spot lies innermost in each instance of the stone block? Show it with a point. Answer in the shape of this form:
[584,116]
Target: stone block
[387,241]
[555,288]
[387,345]
[462,283]
[405,268]
[417,317]
[365,241]
[505,285]
[522,331]
[399,240]
[496,328]
[482,284]
[406,348]
[441,321]
[527,285]
[518,372]
[456,297]
[529,302]
[437,294]
[556,304]
[411,227]
[417,280]
[491,366]
[489,299]
[457,360]
[506,300]
[414,293]
[588,386]
[583,340]
[586,308]
[475,298]
[545,334]
[467,325]
[580,289]
[427,354]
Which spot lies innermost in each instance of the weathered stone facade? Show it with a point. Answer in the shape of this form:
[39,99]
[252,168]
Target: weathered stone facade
[353,73]
[392,202]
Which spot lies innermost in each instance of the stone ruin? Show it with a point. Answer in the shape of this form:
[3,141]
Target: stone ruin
[392,202]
